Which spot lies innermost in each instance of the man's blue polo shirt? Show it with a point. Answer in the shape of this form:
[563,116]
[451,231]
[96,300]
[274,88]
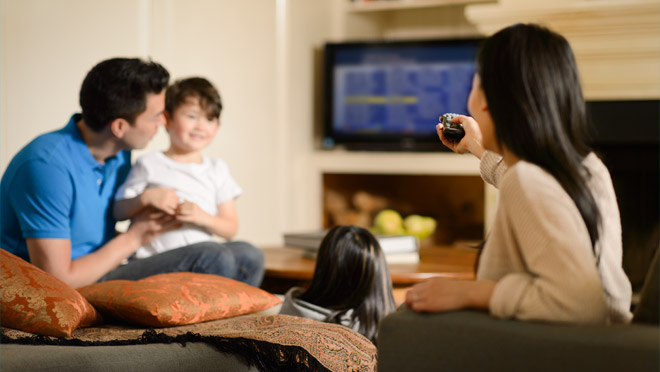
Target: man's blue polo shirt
[54,188]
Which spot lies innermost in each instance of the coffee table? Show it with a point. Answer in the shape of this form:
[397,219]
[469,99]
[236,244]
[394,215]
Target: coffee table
[287,267]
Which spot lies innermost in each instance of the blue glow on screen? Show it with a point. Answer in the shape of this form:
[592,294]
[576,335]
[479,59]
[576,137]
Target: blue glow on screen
[399,90]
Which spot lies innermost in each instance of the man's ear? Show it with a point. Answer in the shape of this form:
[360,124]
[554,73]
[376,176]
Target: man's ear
[168,119]
[119,127]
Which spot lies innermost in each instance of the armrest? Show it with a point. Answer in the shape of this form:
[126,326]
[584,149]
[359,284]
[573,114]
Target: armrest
[476,341]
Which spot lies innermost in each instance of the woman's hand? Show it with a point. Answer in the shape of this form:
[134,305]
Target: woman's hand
[472,140]
[441,294]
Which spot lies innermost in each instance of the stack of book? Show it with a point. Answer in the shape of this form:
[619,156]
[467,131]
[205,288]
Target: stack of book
[398,249]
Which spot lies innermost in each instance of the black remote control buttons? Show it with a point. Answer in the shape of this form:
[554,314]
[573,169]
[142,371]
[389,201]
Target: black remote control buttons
[453,132]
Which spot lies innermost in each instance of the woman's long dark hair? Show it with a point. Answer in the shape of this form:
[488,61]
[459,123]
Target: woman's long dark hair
[351,273]
[531,82]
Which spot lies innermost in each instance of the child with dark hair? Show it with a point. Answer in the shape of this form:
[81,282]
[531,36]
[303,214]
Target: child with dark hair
[351,283]
[555,250]
[197,190]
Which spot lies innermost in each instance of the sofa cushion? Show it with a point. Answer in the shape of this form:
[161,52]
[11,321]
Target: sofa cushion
[37,302]
[477,341]
[172,299]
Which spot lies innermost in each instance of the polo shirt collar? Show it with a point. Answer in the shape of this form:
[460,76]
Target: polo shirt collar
[79,147]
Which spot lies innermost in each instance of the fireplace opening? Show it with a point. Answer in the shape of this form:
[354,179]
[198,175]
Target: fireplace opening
[626,137]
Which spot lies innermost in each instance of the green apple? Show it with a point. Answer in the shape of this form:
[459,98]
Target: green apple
[420,226]
[388,222]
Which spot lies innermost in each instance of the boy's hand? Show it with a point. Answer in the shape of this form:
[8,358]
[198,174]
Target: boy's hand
[191,213]
[161,198]
[150,223]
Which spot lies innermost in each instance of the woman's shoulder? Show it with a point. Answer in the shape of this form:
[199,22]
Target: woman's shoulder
[596,166]
[526,176]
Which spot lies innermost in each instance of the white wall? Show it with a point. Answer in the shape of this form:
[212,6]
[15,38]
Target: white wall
[47,48]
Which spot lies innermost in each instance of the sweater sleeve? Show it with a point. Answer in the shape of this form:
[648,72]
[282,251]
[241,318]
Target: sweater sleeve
[557,279]
[492,168]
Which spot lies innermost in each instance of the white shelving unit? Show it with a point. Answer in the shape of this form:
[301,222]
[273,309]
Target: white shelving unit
[385,5]
[435,163]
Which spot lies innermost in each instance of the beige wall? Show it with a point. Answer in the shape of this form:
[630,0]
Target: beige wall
[261,55]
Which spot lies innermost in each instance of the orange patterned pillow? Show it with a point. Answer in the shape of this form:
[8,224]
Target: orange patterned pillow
[172,299]
[37,302]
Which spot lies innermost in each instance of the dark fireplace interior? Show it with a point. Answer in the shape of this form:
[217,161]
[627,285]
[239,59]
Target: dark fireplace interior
[626,137]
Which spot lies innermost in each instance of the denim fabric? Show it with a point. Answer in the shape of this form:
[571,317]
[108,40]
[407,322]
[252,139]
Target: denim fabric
[236,260]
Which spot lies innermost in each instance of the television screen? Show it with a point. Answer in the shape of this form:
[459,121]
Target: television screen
[389,95]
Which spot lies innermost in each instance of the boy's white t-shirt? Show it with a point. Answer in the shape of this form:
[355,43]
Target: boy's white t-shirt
[207,184]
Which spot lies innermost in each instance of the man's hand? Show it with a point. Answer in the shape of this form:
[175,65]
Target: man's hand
[161,198]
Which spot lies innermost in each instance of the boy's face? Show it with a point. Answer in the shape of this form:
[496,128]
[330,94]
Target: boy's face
[189,128]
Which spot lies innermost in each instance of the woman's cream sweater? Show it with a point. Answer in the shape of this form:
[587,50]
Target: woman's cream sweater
[539,251]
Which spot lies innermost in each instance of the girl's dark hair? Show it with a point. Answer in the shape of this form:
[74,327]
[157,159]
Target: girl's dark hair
[351,273]
[194,87]
[531,82]
[118,88]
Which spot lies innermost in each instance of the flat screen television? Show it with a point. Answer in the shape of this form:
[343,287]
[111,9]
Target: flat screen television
[388,95]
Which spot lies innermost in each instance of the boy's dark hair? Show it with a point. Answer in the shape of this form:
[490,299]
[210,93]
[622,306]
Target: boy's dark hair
[351,274]
[118,88]
[194,87]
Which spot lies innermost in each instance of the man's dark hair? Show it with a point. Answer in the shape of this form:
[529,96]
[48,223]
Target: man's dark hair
[194,87]
[118,88]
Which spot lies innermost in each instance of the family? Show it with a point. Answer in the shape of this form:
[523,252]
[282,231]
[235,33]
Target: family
[554,252]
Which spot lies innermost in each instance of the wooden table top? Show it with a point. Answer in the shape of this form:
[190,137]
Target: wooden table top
[441,261]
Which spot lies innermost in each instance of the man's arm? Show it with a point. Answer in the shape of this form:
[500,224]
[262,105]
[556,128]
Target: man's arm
[54,255]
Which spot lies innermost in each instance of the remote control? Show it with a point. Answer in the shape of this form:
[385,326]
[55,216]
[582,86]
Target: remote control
[453,132]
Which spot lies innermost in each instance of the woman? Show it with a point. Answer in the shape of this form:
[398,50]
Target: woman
[554,252]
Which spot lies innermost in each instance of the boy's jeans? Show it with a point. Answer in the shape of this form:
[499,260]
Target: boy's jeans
[236,260]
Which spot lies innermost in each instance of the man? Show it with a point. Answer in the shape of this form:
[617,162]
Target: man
[56,194]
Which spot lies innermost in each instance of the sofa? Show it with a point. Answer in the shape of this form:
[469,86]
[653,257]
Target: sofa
[166,322]
[476,341]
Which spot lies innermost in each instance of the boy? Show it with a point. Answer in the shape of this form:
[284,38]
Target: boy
[197,190]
